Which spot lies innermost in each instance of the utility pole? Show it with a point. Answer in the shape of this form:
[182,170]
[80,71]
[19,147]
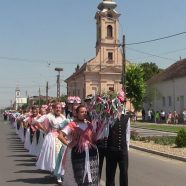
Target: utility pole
[47,92]
[39,96]
[124,67]
[58,81]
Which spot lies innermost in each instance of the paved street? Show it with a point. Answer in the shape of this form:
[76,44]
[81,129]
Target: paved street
[147,169]
[147,132]
[151,170]
[18,168]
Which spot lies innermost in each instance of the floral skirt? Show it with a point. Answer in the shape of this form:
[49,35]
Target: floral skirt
[75,168]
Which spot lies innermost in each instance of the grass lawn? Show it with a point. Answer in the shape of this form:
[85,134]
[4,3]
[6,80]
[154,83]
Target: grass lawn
[166,128]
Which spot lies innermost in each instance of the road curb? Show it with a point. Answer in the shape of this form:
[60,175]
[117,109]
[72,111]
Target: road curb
[159,153]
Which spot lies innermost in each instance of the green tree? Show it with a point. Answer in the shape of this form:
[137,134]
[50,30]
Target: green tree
[135,85]
[149,69]
[63,97]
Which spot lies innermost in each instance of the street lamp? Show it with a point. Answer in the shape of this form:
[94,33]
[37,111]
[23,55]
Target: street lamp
[58,81]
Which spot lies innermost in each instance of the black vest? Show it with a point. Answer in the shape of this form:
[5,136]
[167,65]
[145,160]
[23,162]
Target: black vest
[117,135]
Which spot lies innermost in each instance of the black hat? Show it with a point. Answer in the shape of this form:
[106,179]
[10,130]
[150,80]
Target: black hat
[88,98]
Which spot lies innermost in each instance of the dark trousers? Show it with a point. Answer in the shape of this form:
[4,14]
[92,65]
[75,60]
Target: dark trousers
[102,155]
[5,117]
[112,159]
[31,134]
[37,135]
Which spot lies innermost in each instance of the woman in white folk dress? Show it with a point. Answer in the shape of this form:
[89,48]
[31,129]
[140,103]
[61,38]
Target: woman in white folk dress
[51,144]
[30,131]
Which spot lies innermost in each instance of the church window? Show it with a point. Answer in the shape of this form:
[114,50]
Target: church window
[110,56]
[109,31]
[110,87]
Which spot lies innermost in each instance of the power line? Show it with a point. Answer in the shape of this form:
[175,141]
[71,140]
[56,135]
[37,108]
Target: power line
[157,55]
[157,39]
[48,62]
[153,55]
[173,51]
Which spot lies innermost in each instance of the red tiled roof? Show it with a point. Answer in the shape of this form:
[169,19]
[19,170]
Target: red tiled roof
[176,70]
[82,68]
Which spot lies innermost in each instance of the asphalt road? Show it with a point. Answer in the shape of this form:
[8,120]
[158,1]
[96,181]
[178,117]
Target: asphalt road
[148,132]
[147,169]
[151,170]
[17,168]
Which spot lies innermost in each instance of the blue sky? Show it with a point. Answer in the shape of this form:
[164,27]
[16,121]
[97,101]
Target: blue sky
[38,35]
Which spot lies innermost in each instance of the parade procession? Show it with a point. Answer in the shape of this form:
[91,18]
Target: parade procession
[70,140]
[92,93]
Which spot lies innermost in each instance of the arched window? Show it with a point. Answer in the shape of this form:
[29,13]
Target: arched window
[109,31]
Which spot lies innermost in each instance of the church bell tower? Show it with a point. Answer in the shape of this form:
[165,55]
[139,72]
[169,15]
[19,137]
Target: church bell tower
[107,20]
[17,96]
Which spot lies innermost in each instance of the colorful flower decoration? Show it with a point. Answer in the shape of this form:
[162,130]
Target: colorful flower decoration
[121,96]
[77,100]
[70,99]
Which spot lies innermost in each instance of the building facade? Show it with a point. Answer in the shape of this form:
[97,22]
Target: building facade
[167,90]
[104,71]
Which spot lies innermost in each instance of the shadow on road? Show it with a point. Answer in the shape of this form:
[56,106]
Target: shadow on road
[21,155]
[42,180]
[27,160]
[15,145]
[32,171]
[14,140]
[19,150]
[26,164]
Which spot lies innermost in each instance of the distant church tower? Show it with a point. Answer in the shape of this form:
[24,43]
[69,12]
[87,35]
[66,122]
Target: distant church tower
[17,96]
[103,72]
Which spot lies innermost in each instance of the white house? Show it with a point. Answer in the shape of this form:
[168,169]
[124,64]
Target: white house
[167,90]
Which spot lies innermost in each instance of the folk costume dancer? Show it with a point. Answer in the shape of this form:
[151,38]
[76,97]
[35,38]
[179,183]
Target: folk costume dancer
[117,150]
[59,169]
[81,158]
[21,129]
[51,144]
[35,138]
[30,141]
[70,101]
[40,133]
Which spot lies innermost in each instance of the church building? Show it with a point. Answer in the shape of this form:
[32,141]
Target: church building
[103,72]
